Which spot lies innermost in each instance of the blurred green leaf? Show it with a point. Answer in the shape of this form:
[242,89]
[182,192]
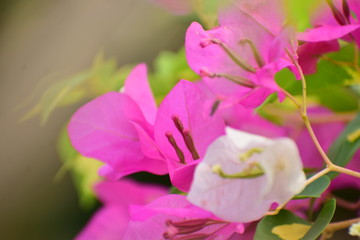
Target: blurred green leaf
[169,68]
[322,220]
[60,94]
[314,189]
[106,76]
[265,227]
[84,170]
[102,77]
[174,190]
[345,146]
[207,11]
[299,12]
[327,86]
[354,82]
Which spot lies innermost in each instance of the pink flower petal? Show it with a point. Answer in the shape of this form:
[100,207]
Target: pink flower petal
[137,87]
[309,54]
[102,129]
[326,33]
[192,107]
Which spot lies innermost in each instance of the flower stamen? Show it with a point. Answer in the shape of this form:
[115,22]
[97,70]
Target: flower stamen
[254,170]
[215,107]
[204,72]
[259,59]
[187,137]
[248,154]
[236,58]
[173,143]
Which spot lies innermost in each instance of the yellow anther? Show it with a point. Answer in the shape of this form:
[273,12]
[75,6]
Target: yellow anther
[248,154]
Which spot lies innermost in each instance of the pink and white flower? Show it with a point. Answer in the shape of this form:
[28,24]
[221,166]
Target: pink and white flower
[242,175]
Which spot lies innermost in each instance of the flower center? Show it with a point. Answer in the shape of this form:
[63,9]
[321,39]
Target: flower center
[187,138]
[253,170]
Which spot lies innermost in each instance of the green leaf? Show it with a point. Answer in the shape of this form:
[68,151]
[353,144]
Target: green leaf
[322,220]
[293,231]
[106,76]
[273,227]
[314,189]
[345,146]
[60,94]
[339,99]
[265,227]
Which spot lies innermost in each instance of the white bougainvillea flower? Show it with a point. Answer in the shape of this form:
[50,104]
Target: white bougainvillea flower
[243,174]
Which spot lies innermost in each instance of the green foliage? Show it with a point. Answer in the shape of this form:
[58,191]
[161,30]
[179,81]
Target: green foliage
[60,94]
[299,12]
[322,220]
[314,189]
[169,68]
[174,190]
[84,170]
[265,227]
[279,227]
[328,85]
[102,77]
[345,146]
[207,11]
[354,82]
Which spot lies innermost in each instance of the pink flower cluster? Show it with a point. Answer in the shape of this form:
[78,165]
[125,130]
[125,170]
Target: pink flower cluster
[205,134]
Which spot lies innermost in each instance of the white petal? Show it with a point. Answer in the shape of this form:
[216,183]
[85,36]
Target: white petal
[246,200]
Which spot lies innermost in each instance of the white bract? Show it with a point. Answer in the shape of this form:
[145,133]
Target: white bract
[243,174]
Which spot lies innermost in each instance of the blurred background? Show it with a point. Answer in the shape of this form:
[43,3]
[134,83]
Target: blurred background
[41,43]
